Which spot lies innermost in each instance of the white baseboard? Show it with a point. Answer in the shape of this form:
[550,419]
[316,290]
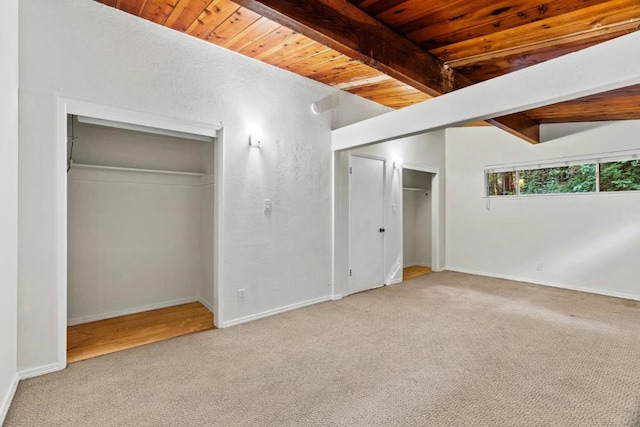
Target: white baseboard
[38,370]
[395,281]
[206,304]
[109,315]
[546,283]
[337,297]
[275,311]
[8,398]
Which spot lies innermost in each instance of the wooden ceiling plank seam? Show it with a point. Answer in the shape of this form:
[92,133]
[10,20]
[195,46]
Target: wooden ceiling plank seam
[388,84]
[202,15]
[487,19]
[396,99]
[158,11]
[321,59]
[378,79]
[240,20]
[351,67]
[376,7]
[250,34]
[175,13]
[211,17]
[351,31]
[278,40]
[185,13]
[385,85]
[613,28]
[580,20]
[316,53]
[408,11]
[488,69]
[330,64]
[396,91]
[129,6]
[313,48]
[342,77]
[285,55]
[142,6]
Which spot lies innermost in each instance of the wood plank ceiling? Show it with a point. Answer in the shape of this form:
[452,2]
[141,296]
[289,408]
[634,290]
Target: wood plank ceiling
[367,47]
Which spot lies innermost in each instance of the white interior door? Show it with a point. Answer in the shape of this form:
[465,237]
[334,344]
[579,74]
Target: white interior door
[366,249]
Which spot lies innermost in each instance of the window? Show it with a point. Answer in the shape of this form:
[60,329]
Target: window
[568,179]
[501,183]
[619,175]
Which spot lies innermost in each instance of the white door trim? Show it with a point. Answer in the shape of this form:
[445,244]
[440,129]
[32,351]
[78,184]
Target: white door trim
[435,214]
[66,106]
[384,219]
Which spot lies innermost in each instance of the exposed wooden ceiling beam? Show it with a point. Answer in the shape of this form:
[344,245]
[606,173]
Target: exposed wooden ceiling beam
[604,67]
[344,27]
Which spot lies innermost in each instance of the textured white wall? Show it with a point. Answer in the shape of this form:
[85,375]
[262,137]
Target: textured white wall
[409,228]
[423,228]
[8,199]
[131,245]
[106,146]
[95,53]
[425,150]
[589,242]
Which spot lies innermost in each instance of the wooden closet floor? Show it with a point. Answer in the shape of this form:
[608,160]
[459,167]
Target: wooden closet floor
[415,271]
[106,336]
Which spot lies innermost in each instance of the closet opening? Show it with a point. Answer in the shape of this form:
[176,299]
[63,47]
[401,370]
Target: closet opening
[417,223]
[140,235]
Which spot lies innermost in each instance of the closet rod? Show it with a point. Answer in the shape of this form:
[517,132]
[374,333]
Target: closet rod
[116,168]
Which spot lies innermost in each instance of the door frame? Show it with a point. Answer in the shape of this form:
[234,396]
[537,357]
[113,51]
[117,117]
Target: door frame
[435,214]
[69,106]
[384,219]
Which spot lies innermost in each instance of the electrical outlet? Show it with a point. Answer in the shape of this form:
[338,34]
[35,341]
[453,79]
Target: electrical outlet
[539,266]
[241,294]
[267,205]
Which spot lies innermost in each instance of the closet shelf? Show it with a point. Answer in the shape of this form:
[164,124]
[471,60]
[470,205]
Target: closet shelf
[414,189]
[121,169]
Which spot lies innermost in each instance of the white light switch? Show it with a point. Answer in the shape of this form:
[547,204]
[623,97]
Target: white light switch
[267,205]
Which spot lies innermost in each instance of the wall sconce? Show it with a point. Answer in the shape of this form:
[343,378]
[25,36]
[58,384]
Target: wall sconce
[255,139]
[397,163]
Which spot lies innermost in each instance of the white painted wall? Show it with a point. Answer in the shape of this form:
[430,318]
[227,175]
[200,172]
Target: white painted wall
[8,200]
[95,53]
[132,245]
[409,228]
[422,150]
[109,146]
[588,242]
[423,229]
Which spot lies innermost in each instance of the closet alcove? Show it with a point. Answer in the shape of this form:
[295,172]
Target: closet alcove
[416,223]
[140,235]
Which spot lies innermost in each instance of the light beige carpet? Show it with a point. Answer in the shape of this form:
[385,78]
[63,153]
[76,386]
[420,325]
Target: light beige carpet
[445,349]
